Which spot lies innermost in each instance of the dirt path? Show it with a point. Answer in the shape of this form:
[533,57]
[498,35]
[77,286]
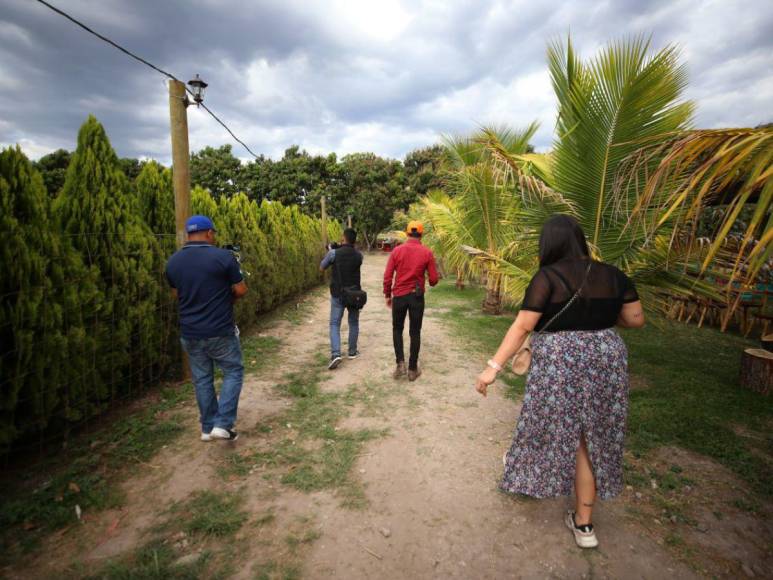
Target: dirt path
[431,506]
[432,483]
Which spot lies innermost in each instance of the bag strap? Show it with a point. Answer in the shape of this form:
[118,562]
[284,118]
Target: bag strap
[571,300]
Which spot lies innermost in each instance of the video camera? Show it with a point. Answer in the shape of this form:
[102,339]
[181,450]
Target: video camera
[236,249]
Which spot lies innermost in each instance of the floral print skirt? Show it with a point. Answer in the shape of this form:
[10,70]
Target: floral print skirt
[577,386]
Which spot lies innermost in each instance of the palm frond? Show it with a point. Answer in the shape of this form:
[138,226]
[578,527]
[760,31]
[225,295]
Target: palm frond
[622,96]
[698,169]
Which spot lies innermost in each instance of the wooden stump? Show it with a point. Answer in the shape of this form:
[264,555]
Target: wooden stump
[767,342]
[757,370]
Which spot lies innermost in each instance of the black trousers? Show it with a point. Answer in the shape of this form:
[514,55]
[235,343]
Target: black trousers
[413,306]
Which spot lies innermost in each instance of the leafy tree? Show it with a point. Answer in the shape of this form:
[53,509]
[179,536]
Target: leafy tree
[374,189]
[217,170]
[424,169]
[53,168]
[131,167]
[297,178]
[96,209]
[44,291]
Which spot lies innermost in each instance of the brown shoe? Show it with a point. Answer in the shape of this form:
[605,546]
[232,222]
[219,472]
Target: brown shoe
[399,371]
[413,375]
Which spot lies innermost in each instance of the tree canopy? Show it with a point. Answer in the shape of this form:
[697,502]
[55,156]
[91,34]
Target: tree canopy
[364,186]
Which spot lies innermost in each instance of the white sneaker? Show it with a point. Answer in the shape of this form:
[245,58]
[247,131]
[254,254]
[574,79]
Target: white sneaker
[206,436]
[583,539]
[226,434]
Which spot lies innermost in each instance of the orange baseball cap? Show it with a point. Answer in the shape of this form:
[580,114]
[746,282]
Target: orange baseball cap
[415,227]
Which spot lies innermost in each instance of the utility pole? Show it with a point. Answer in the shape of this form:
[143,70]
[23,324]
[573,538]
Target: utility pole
[181,177]
[178,118]
[324,221]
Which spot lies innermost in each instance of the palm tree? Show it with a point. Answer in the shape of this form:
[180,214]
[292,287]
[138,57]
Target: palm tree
[628,165]
[475,225]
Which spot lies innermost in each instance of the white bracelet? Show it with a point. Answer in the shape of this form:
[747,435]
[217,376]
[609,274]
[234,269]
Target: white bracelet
[494,365]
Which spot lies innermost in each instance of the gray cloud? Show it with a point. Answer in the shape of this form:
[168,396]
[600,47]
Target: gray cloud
[346,75]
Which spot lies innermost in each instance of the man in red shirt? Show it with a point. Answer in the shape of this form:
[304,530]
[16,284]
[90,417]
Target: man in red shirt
[404,292]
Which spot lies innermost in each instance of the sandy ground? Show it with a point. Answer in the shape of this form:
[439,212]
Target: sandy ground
[433,509]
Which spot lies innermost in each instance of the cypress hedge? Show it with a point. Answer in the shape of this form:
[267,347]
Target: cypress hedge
[86,318]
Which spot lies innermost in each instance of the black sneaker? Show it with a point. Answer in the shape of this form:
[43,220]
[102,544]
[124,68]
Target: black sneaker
[224,434]
[334,362]
[354,354]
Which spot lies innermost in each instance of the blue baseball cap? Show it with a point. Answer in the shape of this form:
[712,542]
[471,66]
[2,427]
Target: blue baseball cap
[199,223]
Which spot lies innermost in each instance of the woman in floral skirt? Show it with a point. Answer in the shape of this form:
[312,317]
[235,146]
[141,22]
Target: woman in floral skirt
[572,424]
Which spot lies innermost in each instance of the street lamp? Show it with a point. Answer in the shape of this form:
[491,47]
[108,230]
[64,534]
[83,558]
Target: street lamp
[197,89]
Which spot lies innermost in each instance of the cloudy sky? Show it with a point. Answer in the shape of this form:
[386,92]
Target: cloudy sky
[349,75]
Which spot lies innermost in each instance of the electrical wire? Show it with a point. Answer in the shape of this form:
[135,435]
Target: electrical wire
[216,118]
[146,63]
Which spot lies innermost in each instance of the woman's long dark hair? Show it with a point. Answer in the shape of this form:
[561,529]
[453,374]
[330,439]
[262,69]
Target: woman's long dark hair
[561,237]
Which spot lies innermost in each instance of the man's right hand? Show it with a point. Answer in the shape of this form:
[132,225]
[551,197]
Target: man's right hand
[389,301]
[238,291]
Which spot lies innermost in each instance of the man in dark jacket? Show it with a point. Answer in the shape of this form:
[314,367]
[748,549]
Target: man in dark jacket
[346,262]
[206,281]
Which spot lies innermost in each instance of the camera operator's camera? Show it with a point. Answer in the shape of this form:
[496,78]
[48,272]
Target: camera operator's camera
[236,249]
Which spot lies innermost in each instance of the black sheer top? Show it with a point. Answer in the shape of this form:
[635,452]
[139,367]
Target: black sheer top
[596,308]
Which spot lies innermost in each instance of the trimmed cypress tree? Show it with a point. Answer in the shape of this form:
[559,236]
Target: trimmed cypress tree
[155,195]
[202,203]
[43,285]
[97,210]
[237,223]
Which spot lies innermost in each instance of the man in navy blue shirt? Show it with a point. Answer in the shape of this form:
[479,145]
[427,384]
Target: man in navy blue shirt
[206,281]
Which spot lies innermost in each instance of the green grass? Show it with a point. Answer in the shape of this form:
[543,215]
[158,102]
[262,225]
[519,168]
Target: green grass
[692,400]
[259,351]
[309,536]
[481,332]
[273,570]
[210,513]
[154,560]
[86,475]
[295,310]
[310,451]
[203,515]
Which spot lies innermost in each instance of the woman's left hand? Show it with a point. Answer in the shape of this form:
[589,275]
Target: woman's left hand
[485,378]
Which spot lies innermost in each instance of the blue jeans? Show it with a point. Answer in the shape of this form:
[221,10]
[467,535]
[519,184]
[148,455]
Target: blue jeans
[336,315]
[203,354]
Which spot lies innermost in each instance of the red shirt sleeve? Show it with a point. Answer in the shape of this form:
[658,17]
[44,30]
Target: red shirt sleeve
[434,277]
[389,274]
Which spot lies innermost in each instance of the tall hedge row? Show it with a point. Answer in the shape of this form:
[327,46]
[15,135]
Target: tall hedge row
[86,318]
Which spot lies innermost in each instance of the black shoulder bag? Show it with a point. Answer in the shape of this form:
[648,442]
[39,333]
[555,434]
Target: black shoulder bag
[351,297]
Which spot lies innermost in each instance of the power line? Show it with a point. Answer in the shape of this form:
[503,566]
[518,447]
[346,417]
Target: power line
[107,40]
[215,117]
[143,61]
